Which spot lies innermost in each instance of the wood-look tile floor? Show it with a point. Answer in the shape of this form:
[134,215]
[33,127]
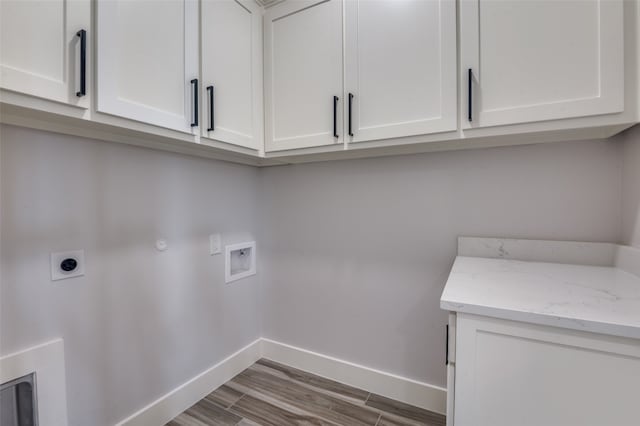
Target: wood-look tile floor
[272,394]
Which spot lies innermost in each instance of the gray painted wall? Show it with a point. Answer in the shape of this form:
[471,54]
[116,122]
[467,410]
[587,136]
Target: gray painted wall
[631,186]
[353,255]
[356,253]
[141,322]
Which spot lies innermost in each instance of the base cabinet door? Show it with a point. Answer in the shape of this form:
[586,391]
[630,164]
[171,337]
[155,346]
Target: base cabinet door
[303,74]
[42,49]
[400,68]
[147,61]
[530,60]
[231,58]
[509,373]
[451,368]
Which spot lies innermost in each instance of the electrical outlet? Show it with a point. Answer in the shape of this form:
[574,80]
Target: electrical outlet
[67,264]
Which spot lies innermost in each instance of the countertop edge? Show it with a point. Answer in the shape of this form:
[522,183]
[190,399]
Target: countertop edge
[577,324]
[623,258]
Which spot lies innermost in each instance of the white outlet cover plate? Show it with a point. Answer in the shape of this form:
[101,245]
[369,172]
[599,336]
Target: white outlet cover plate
[56,258]
[215,244]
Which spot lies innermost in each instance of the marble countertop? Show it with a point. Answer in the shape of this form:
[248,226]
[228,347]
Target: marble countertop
[599,299]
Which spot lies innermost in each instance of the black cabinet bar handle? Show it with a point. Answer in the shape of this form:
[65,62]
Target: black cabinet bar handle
[446,354]
[470,89]
[83,63]
[335,116]
[194,83]
[211,127]
[350,105]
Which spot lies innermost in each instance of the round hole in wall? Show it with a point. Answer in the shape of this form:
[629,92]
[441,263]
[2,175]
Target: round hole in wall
[68,264]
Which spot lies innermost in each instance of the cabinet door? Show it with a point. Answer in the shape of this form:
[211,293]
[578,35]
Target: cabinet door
[511,373]
[147,57]
[232,71]
[540,60]
[41,48]
[400,68]
[451,368]
[303,74]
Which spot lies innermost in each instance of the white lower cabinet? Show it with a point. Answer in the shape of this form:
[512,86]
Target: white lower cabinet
[45,49]
[517,374]
[147,62]
[231,57]
[451,368]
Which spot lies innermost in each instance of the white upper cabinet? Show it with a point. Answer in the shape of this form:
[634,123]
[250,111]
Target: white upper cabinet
[303,74]
[148,61]
[537,60]
[338,75]
[231,57]
[400,68]
[42,49]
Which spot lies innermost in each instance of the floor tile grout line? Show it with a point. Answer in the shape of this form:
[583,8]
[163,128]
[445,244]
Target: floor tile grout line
[357,402]
[304,412]
[314,386]
[325,392]
[222,405]
[378,421]
[229,409]
[317,388]
[321,391]
[286,400]
[238,400]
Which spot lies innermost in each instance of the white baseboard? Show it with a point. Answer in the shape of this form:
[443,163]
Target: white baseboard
[413,392]
[184,396]
[409,391]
